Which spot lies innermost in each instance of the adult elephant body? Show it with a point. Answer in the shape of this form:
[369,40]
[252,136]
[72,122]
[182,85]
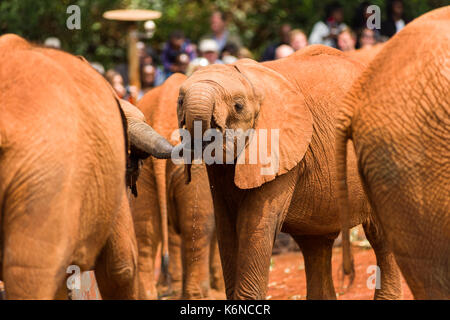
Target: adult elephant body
[299,96]
[168,209]
[62,175]
[397,115]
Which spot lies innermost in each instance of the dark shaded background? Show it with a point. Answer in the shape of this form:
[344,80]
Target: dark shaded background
[256,21]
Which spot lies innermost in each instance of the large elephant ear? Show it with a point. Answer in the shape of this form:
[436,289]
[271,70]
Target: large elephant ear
[283,111]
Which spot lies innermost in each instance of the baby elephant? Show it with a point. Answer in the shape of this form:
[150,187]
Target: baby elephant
[288,106]
[63,198]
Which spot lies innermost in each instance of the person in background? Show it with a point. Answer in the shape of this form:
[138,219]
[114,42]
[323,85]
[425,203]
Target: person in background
[269,52]
[116,81]
[396,20]
[98,67]
[326,32]
[366,38]
[196,64]
[283,51]
[219,32]
[346,40]
[176,45]
[146,56]
[141,49]
[230,49]
[298,39]
[245,53]
[229,59]
[52,42]
[360,18]
[210,50]
[182,61]
[229,53]
[148,79]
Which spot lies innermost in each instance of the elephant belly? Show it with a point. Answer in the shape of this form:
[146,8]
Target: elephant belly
[314,207]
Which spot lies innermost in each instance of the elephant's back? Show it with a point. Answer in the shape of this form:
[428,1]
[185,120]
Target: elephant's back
[319,71]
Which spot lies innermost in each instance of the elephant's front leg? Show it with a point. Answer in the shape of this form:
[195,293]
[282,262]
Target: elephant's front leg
[247,222]
[227,242]
[256,229]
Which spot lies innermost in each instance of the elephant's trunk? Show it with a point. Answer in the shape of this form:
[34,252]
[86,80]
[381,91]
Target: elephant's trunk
[142,136]
[198,106]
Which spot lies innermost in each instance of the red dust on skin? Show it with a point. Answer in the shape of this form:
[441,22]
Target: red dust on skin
[287,279]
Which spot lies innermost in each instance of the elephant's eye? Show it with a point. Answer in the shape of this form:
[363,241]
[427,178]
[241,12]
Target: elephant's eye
[180,102]
[238,107]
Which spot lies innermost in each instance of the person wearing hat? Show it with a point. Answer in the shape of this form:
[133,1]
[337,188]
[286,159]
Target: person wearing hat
[210,50]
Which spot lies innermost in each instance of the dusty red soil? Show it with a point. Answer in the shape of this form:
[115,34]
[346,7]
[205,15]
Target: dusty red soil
[287,280]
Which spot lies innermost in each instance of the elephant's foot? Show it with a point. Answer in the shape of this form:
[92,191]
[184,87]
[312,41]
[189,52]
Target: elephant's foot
[217,282]
[116,280]
[147,286]
[390,282]
[170,289]
[2,291]
[218,294]
[317,255]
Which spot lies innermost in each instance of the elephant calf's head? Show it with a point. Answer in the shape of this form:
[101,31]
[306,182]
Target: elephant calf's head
[247,95]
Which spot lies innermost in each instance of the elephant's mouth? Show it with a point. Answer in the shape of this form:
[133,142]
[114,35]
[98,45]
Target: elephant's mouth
[195,142]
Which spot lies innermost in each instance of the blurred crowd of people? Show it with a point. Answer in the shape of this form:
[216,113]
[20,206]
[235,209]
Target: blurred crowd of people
[220,45]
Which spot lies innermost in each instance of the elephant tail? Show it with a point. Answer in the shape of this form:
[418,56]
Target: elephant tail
[159,166]
[343,134]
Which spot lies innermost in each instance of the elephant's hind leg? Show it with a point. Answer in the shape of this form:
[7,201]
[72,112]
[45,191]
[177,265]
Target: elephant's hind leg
[116,267]
[390,282]
[317,252]
[33,275]
[36,252]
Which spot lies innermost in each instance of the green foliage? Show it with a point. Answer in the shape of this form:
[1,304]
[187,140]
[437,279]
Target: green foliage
[256,21]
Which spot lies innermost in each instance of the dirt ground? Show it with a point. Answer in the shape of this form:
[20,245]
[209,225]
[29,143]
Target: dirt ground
[287,280]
